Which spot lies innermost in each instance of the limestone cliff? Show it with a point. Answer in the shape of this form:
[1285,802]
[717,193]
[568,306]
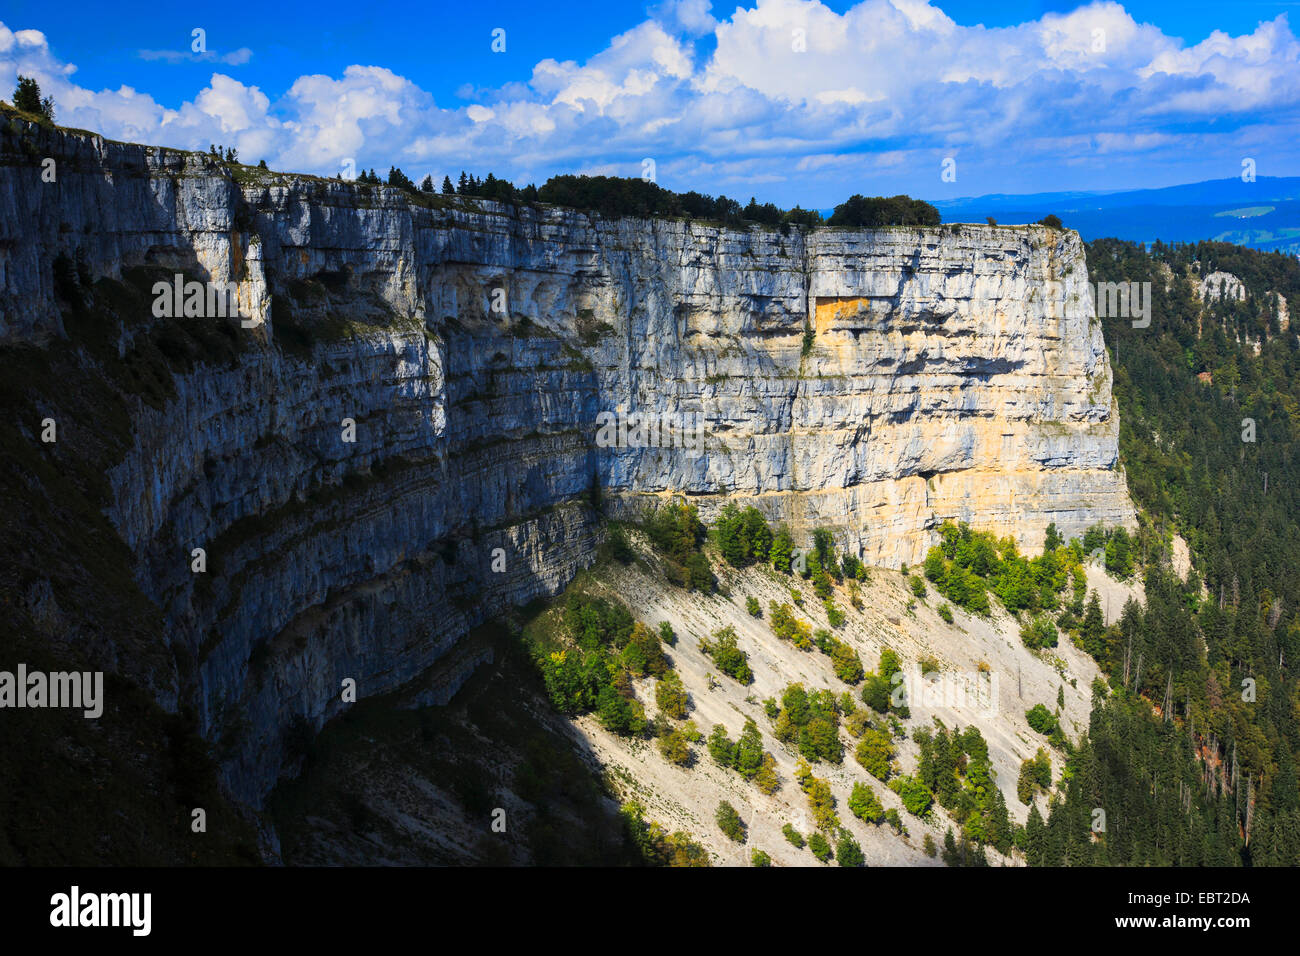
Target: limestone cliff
[937,382]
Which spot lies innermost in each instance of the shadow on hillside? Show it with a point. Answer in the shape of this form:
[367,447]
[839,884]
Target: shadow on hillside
[387,785]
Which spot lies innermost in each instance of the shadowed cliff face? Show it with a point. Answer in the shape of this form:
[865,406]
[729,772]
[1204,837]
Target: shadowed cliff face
[471,348]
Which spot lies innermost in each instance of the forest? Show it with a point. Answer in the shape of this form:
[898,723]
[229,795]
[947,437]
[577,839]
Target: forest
[613,196]
[1190,755]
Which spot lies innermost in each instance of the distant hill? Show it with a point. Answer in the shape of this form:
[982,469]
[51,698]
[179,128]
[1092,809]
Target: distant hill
[1264,214]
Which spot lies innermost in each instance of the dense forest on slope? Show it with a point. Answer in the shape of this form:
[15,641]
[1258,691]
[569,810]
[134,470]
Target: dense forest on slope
[1192,757]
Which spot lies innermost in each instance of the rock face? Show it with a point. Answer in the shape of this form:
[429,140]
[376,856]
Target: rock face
[876,382]
[1221,285]
[1226,287]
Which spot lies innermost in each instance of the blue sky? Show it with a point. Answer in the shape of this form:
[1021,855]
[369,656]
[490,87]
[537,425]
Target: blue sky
[790,100]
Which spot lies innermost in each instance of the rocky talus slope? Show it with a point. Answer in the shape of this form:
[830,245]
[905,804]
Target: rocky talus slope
[380,792]
[876,382]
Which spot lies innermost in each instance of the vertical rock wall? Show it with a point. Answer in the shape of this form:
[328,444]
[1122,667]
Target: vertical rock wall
[944,379]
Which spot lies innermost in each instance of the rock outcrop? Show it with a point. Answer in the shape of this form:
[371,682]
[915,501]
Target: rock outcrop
[1221,285]
[876,382]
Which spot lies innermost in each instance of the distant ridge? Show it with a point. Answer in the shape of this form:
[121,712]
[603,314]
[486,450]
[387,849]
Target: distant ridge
[1264,214]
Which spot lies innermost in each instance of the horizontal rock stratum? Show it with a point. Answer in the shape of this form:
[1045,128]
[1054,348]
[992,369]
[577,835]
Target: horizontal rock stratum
[939,381]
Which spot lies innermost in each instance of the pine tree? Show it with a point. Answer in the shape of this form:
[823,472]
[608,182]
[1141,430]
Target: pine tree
[1094,627]
[1035,837]
[729,528]
[950,855]
[729,822]
[847,851]
[400,180]
[749,750]
[999,824]
[782,550]
[1053,539]
[27,97]
[1119,562]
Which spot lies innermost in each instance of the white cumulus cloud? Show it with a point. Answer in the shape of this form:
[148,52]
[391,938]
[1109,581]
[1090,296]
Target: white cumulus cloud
[788,93]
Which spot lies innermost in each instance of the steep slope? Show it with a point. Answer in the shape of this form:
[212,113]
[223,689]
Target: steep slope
[686,798]
[394,787]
